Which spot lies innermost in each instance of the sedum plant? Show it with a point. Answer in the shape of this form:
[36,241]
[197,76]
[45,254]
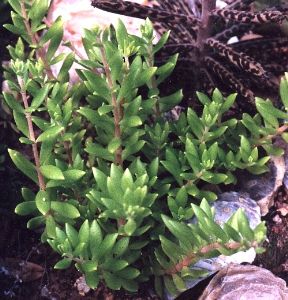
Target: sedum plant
[116,183]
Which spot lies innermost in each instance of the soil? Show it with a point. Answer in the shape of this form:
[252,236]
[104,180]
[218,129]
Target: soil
[275,258]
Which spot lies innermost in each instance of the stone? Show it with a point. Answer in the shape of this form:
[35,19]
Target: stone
[263,188]
[239,282]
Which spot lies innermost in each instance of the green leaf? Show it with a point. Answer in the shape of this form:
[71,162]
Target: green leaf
[128,273]
[232,233]
[17,30]
[92,279]
[99,151]
[72,235]
[132,149]
[121,246]
[130,285]
[54,34]
[217,96]
[42,202]
[50,227]
[179,283]
[38,10]
[26,208]
[130,227]
[13,103]
[269,112]
[167,103]
[24,165]
[80,249]
[115,59]
[112,281]
[284,91]
[64,263]
[27,194]
[206,208]
[195,123]
[52,172]
[199,213]
[127,180]
[204,99]
[132,121]
[65,209]
[40,97]
[172,250]
[105,109]
[15,4]
[114,144]
[228,102]
[95,238]
[73,175]
[121,34]
[21,123]
[107,244]
[100,178]
[244,226]
[84,233]
[260,232]
[145,76]
[170,286]
[115,264]
[50,134]
[89,266]
[35,222]
[164,71]
[163,40]
[245,148]
[66,66]
[97,84]
[114,188]
[180,230]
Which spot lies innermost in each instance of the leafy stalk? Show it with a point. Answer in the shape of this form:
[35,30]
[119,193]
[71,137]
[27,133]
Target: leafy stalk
[117,106]
[31,133]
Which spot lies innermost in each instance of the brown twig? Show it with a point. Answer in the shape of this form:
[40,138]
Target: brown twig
[278,132]
[116,107]
[32,138]
[205,28]
[40,52]
[189,259]
[150,62]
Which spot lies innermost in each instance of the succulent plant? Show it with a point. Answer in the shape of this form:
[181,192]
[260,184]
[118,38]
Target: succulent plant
[115,184]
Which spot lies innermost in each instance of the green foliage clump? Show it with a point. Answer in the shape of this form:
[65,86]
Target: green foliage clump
[116,182]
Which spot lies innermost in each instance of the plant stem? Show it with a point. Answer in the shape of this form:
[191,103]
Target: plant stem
[278,132]
[31,133]
[204,32]
[150,62]
[205,27]
[193,257]
[116,107]
[40,53]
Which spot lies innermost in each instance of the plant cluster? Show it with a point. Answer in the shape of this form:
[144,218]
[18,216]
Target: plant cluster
[200,33]
[116,184]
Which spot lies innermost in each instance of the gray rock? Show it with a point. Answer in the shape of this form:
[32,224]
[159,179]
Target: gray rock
[248,282]
[264,187]
[228,203]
